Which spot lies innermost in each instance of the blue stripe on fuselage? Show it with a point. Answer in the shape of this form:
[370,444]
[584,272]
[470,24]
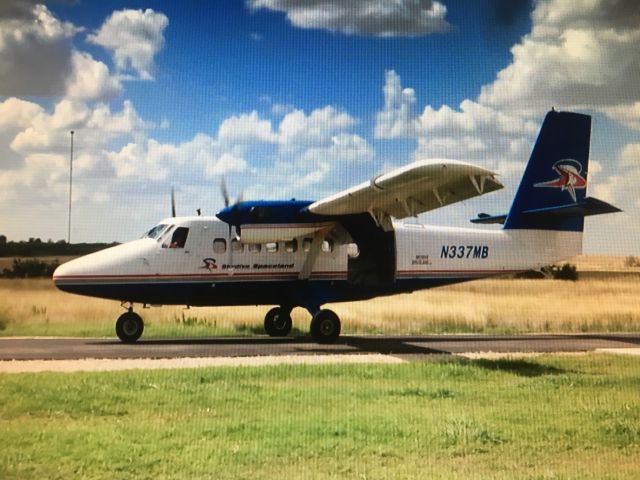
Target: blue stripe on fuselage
[287,292]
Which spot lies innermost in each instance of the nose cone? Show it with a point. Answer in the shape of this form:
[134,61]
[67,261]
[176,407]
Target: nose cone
[67,269]
[69,273]
[87,275]
[229,214]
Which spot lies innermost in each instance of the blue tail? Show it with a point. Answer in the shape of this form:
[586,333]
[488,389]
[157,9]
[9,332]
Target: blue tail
[551,195]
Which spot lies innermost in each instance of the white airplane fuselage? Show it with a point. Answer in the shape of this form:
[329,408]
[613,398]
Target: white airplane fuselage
[347,246]
[214,269]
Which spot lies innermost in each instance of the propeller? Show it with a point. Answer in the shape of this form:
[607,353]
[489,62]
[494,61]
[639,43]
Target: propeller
[225,192]
[173,202]
[227,202]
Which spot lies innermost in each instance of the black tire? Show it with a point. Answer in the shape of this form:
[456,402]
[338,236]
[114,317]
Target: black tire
[325,326]
[129,327]
[277,322]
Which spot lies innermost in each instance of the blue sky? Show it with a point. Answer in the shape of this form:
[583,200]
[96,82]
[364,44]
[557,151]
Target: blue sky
[300,99]
[221,59]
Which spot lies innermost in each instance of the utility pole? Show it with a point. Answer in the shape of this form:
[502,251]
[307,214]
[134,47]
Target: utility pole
[70,187]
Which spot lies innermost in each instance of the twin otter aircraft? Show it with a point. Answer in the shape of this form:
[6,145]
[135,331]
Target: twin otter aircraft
[348,246]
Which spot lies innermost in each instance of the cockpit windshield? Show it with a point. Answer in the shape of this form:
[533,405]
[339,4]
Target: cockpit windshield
[155,232]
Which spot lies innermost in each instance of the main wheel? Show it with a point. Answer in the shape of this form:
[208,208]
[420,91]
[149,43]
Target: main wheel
[129,327]
[325,326]
[277,322]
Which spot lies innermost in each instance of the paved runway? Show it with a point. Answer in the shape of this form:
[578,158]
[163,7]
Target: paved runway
[101,348]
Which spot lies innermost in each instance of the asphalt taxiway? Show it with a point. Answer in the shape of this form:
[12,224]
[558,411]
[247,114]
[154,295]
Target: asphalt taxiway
[19,348]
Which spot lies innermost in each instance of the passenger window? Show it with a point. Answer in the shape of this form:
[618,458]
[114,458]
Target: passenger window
[255,247]
[236,246]
[219,245]
[327,245]
[179,238]
[353,251]
[291,246]
[271,247]
[306,244]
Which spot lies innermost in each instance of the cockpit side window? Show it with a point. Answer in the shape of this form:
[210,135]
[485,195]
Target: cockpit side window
[178,239]
[155,232]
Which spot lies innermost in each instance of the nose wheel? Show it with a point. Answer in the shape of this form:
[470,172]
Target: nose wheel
[277,322]
[129,327]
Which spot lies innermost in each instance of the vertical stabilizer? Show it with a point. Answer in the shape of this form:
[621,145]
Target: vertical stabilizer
[556,175]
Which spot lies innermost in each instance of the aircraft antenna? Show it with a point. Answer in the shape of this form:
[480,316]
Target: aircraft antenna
[173,202]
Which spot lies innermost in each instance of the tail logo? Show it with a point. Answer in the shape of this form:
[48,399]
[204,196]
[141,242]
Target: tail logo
[569,179]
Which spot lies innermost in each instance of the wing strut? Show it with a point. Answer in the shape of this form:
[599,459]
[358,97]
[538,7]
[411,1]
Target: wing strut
[312,255]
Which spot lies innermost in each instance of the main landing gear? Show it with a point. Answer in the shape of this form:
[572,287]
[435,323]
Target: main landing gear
[325,324]
[277,322]
[129,326]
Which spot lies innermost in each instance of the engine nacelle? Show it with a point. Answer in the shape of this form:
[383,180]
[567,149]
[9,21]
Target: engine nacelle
[268,233]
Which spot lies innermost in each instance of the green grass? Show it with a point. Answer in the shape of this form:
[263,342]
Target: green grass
[544,417]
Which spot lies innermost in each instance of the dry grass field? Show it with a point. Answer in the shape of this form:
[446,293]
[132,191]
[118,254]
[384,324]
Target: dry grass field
[35,307]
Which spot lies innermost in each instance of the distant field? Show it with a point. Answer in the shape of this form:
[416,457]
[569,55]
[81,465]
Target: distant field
[35,307]
[540,418]
[601,263]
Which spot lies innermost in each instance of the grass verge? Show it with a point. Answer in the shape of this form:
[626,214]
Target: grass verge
[35,307]
[544,417]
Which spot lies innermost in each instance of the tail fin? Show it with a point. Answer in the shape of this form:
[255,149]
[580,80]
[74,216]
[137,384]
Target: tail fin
[556,176]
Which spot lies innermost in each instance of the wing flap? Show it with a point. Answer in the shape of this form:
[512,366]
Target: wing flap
[411,190]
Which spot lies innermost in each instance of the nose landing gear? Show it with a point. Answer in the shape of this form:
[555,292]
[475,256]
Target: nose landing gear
[129,326]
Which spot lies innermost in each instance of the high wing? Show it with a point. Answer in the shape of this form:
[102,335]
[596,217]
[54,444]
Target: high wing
[408,191]
[404,192]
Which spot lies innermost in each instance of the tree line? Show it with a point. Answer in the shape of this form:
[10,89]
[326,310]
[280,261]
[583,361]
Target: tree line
[35,247]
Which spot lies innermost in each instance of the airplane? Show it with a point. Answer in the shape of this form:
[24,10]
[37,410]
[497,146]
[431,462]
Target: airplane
[351,246]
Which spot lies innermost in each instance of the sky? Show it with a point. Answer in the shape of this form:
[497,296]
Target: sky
[286,99]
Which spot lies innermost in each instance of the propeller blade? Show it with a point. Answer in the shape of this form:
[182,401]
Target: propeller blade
[173,202]
[225,192]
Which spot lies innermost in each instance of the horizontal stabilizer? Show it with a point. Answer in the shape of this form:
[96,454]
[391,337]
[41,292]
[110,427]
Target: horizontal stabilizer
[485,218]
[588,206]
[585,208]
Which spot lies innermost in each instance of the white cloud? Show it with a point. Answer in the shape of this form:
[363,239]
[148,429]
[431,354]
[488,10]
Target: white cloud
[577,56]
[41,179]
[134,37]
[144,160]
[314,177]
[16,113]
[227,163]
[126,121]
[317,128]
[363,17]
[90,79]
[396,120]
[34,130]
[37,58]
[246,129]
[33,41]
[628,115]
[473,117]
[630,156]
